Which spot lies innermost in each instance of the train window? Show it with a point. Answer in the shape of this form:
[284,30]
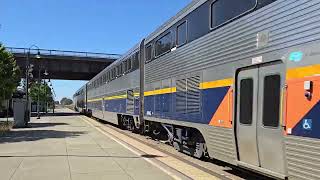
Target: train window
[263,3]
[135,63]
[246,100]
[163,44]
[114,73]
[111,74]
[124,66]
[149,52]
[182,34]
[271,100]
[118,71]
[108,76]
[132,61]
[225,10]
[104,78]
[129,64]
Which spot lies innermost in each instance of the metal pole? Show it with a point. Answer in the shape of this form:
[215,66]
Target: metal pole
[27,118]
[7,112]
[39,86]
[45,100]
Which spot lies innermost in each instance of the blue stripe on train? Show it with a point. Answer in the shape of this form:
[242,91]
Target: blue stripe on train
[309,125]
[211,99]
[164,106]
[115,105]
[136,106]
[119,106]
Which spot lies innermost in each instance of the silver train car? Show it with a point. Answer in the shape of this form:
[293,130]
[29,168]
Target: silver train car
[237,81]
[80,100]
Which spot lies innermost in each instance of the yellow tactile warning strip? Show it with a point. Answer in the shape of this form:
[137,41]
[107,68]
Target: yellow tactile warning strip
[172,162]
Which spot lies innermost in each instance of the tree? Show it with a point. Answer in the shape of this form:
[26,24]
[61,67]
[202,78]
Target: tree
[43,90]
[9,74]
[66,101]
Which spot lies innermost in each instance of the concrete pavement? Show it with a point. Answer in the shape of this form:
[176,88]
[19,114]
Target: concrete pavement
[67,147]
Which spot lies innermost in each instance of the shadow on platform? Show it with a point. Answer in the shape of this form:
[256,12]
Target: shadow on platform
[42,125]
[56,114]
[35,135]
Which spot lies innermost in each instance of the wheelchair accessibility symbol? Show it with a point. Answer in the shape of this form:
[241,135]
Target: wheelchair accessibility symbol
[307,124]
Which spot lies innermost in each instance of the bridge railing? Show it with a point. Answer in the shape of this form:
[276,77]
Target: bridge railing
[52,52]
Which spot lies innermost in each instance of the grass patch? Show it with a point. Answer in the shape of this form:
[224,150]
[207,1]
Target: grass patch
[5,127]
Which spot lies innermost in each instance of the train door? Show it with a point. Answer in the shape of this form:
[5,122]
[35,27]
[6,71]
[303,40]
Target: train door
[247,116]
[258,130]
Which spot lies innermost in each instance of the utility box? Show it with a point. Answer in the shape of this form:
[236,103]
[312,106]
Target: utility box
[19,109]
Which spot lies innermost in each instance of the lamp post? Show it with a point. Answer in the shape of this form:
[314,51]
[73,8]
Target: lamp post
[28,73]
[45,90]
[53,98]
[39,88]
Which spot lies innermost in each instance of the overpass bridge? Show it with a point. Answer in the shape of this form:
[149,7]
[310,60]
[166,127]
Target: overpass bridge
[67,65]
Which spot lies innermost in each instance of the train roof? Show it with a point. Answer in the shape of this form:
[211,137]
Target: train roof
[180,15]
[80,89]
[122,58]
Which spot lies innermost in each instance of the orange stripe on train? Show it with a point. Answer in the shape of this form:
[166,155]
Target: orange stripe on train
[223,115]
[297,105]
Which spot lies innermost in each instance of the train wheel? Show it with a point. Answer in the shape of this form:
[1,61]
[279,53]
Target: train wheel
[200,150]
[177,146]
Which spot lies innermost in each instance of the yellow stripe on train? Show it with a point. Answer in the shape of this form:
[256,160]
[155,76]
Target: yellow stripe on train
[108,98]
[203,85]
[94,100]
[115,97]
[302,72]
[216,84]
[160,91]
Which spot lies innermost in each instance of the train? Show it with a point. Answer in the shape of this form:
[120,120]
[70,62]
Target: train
[237,81]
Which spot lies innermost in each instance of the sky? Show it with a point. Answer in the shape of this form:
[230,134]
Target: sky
[82,25]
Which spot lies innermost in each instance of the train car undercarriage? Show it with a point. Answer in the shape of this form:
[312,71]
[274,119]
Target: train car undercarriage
[184,139]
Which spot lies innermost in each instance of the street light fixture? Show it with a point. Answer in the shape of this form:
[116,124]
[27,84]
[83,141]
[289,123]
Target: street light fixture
[46,73]
[38,55]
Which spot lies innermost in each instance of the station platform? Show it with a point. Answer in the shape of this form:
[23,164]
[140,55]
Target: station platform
[71,146]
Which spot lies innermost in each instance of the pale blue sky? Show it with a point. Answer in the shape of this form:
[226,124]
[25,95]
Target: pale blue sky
[81,25]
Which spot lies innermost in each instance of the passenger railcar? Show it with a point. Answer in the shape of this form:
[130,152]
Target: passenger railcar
[237,81]
[80,100]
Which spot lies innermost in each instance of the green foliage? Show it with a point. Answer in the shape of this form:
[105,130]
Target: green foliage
[9,74]
[66,101]
[44,91]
